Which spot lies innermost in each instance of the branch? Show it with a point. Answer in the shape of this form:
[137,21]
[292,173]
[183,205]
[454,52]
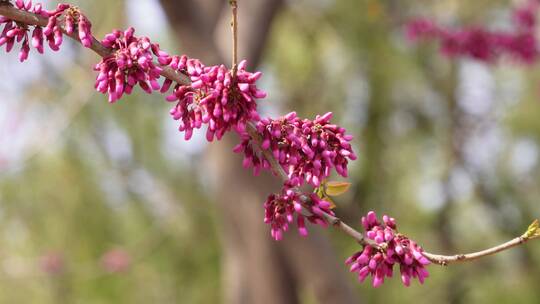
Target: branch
[444,260]
[447,259]
[234,28]
[533,232]
[13,13]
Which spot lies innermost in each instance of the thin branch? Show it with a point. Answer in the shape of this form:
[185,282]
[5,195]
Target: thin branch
[234,28]
[12,13]
[447,259]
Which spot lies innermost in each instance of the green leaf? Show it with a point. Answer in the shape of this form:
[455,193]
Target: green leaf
[320,192]
[336,188]
[533,230]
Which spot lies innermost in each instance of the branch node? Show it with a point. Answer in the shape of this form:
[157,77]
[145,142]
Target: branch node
[335,221]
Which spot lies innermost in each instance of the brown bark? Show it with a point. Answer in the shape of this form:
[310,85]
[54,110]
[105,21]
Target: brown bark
[256,268]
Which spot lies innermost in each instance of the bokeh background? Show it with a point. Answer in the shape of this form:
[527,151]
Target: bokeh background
[107,203]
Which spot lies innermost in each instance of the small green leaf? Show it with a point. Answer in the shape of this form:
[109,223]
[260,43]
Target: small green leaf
[336,188]
[533,230]
[320,192]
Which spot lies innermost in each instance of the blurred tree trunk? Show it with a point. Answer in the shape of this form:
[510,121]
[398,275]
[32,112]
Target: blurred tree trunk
[256,268]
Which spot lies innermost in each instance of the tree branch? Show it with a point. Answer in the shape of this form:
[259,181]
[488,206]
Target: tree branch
[447,259]
[12,13]
[234,28]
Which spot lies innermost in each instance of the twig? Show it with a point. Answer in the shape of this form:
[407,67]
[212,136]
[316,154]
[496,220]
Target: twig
[447,259]
[32,19]
[234,28]
[13,13]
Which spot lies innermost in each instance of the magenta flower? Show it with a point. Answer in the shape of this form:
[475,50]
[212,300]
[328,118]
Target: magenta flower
[286,208]
[74,20]
[214,98]
[395,249]
[130,64]
[420,28]
[525,17]
[307,150]
[14,32]
[480,43]
[116,260]
[52,263]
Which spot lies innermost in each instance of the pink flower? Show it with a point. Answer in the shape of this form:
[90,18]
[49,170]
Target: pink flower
[482,44]
[75,20]
[14,32]
[525,17]
[307,150]
[420,28]
[52,263]
[286,208]
[213,98]
[396,249]
[116,260]
[130,64]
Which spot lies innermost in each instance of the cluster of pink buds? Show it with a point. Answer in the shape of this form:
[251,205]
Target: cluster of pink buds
[483,44]
[393,248]
[52,33]
[215,97]
[280,211]
[306,149]
[131,63]
[73,20]
[18,32]
[525,16]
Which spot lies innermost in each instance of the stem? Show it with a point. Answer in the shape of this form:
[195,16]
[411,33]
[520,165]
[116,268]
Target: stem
[447,259]
[7,10]
[234,28]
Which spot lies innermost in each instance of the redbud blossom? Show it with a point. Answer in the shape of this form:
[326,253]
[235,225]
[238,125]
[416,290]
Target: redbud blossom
[116,260]
[75,21]
[52,263]
[307,150]
[483,44]
[395,248]
[214,97]
[286,208]
[130,64]
[16,32]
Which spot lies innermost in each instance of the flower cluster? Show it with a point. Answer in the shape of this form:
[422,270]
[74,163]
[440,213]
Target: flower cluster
[130,63]
[215,97]
[52,33]
[280,211]
[306,149]
[394,248]
[116,260]
[483,44]
[52,263]
[73,20]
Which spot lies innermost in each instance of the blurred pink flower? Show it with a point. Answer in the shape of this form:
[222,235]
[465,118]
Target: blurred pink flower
[52,263]
[116,260]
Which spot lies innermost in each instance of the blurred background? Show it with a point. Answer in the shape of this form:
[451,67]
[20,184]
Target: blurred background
[107,203]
